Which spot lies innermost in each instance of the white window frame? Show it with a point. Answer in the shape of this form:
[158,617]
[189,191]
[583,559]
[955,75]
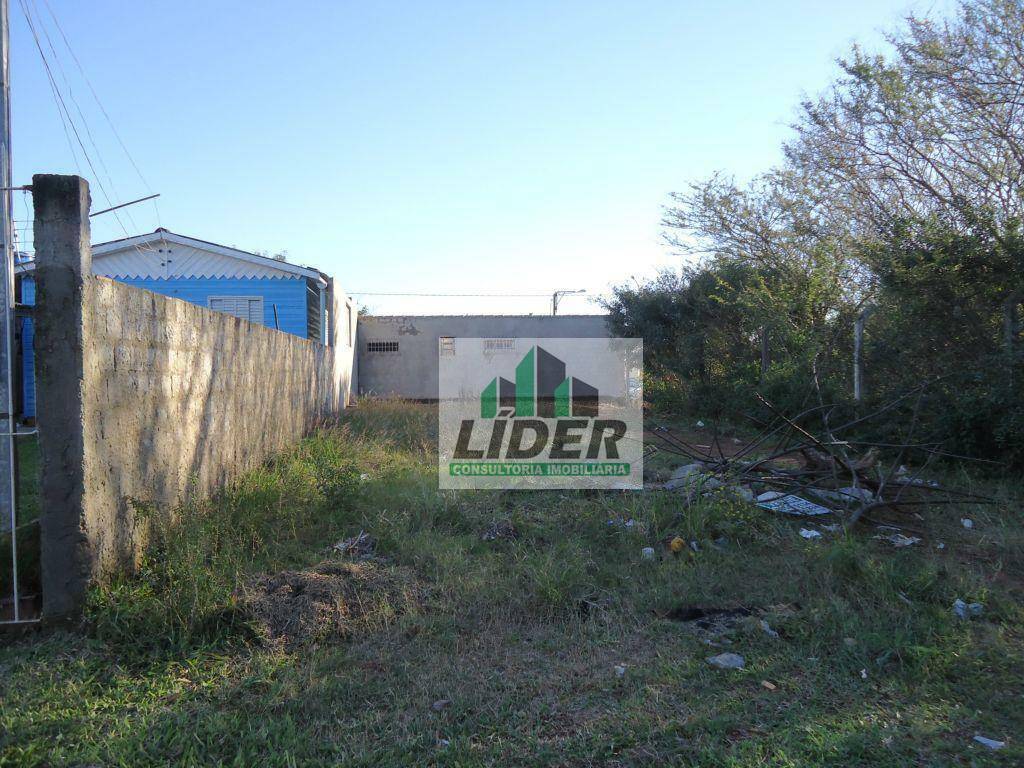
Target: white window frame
[235,303]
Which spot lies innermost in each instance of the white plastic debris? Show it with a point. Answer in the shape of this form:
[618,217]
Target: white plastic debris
[809,533]
[966,522]
[864,674]
[940,545]
[960,609]
[792,505]
[700,424]
[647,553]
[965,611]
[990,743]
[766,628]
[898,540]
[620,670]
[726,661]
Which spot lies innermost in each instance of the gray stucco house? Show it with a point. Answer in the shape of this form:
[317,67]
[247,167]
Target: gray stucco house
[396,355]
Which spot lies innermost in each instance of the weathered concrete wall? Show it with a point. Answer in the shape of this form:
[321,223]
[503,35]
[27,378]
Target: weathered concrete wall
[145,398]
[412,371]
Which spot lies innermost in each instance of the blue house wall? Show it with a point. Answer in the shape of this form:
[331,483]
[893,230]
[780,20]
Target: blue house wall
[28,351]
[288,295]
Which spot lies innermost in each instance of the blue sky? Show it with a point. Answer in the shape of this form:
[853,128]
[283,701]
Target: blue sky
[448,147]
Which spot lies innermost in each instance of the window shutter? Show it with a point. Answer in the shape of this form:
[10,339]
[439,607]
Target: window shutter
[246,307]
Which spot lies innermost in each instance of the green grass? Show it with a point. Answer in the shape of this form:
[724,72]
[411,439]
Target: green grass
[522,635]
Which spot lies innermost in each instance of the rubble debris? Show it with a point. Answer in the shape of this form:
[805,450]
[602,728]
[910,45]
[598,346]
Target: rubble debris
[627,524]
[898,540]
[769,685]
[847,495]
[985,741]
[744,492]
[727,661]
[500,530]
[787,463]
[686,470]
[692,476]
[791,505]
[359,547]
[766,628]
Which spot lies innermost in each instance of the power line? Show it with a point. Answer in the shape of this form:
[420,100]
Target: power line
[65,114]
[78,109]
[53,87]
[103,109]
[458,295]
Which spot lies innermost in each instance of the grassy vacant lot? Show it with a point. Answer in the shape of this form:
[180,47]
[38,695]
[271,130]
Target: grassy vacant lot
[449,649]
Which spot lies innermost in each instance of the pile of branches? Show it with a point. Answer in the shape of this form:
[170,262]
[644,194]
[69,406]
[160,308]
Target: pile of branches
[789,459]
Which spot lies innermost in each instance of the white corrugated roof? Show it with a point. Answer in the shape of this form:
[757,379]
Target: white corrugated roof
[167,255]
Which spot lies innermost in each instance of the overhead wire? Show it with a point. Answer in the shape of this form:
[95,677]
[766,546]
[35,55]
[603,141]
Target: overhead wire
[78,109]
[53,89]
[103,110]
[66,117]
[458,295]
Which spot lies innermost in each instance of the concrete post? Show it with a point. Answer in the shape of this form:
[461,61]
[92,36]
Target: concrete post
[63,267]
[858,352]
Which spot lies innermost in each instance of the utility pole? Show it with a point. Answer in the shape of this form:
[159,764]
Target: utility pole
[8,509]
[557,295]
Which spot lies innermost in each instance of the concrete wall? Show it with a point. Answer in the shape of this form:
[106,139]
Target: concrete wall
[145,398]
[412,371]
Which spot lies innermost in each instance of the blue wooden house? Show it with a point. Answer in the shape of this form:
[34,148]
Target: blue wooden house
[288,297]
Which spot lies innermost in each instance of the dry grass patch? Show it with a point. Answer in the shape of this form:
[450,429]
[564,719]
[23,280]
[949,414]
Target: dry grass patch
[332,600]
